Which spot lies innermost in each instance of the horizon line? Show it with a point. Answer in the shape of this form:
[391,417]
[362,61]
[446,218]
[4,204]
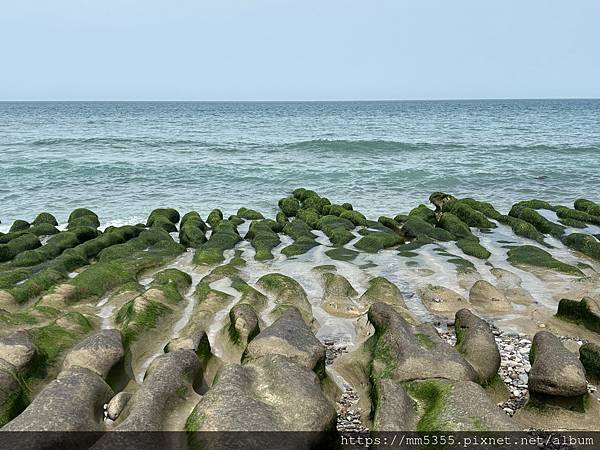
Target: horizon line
[308,101]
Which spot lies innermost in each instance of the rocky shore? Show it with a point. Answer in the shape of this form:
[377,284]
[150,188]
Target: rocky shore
[449,317]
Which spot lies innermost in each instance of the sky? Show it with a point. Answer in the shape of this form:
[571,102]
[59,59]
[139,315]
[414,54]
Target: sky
[298,50]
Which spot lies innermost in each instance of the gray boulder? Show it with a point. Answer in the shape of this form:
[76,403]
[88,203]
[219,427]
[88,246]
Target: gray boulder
[167,382]
[17,349]
[98,352]
[554,369]
[117,404]
[394,409]
[72,402]
[291,337]
[243,324]
[271,393]
[475,341]
[403,353]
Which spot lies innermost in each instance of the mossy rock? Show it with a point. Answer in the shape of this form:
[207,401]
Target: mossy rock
[195,217]
[84,221]
[355,217]
[172,215]
[535,256]
[191,230]
[439,199]
[45,217]
[424,213]
[214,218]
[310,216]
[263,239]
[483,207]
[289,206]
[375,241]
[19,225]
[572,223]
[18,245]
[573,214]
[223,237]
[81,212]
[333,210]
[83,234]
[584,243]
[342,254]
[43,229]
[470,216]
[542,224]
[297,229]
[299,247]
[303,194]
[588,206]
[236,220]
[585,312]
[522,228]
[589,355]
[473,248]
[336,229]
[57,269]
[249,214]
[417,228]
[456,227]
[281,219]
[534,204]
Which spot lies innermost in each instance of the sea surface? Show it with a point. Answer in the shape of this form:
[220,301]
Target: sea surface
[124,159]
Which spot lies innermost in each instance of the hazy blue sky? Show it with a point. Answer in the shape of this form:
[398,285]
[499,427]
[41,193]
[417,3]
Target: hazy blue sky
[298,50]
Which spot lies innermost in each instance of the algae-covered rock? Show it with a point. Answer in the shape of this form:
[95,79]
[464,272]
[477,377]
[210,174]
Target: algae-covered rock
[223,237]
[192,230]
[588,206]
[589,355]
[83,217]
[542,224]
[375,241]
[417,228]
[475,341]
[45,217]
[530,255]
[263,239]
[45,229]
[554,369]
[455,226]
[287,292]
[249,214]
[304,239]
[355,217]
[424,213]
[473,248]
[585,312]
[289,206]
[338,230]
[17,245]
[214,217]
[485,296]
[472,217]
[342,254]
[584,243]
[446,405]
[19,225]
[310,216]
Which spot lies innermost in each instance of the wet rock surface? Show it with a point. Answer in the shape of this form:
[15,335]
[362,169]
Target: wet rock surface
[320,319]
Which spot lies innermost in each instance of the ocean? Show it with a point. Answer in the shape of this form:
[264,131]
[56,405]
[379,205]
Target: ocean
[122,159]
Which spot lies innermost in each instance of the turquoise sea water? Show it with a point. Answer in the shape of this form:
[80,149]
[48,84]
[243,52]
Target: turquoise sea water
[124,159]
